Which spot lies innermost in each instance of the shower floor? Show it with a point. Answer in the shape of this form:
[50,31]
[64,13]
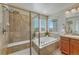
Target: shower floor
[26,52]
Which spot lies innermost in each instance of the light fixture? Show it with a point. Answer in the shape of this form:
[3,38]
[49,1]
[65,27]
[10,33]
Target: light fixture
[67,12]
[73,10]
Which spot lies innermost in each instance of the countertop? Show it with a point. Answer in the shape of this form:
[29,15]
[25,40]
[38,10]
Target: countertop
[71,36]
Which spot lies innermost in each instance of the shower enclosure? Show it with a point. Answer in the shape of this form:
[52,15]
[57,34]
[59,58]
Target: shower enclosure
[26,32]
[17,28]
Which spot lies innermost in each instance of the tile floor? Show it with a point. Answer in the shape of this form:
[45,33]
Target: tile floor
[26,52]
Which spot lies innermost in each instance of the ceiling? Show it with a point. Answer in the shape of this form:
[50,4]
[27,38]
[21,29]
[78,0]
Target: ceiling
[43,8]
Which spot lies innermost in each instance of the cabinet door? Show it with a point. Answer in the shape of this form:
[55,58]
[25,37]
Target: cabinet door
[74,47]
[64,45]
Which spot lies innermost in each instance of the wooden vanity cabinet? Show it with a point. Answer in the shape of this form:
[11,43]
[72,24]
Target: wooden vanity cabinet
[64,45]
[69,45]
[74,47]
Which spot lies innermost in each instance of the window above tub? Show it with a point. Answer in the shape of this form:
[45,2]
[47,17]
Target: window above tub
[39,23]
[52,25]
[42,24]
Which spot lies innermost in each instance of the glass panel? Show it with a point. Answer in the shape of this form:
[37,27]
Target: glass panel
[35,24]
[42,34]
[42,24]
[35,33]
[50,25]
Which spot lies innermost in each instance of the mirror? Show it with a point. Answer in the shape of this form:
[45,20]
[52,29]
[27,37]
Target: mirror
[72,25]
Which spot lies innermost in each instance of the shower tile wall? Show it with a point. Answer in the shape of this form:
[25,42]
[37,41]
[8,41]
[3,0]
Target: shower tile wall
[19,26]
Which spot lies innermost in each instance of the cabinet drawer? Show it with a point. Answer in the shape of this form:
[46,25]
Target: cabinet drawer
[75,41]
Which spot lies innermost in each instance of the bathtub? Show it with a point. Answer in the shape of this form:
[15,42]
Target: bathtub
[47,45]
[45,41]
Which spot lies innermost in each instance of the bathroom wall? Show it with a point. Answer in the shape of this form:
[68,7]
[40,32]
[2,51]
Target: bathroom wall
[60,16]
[61,23]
